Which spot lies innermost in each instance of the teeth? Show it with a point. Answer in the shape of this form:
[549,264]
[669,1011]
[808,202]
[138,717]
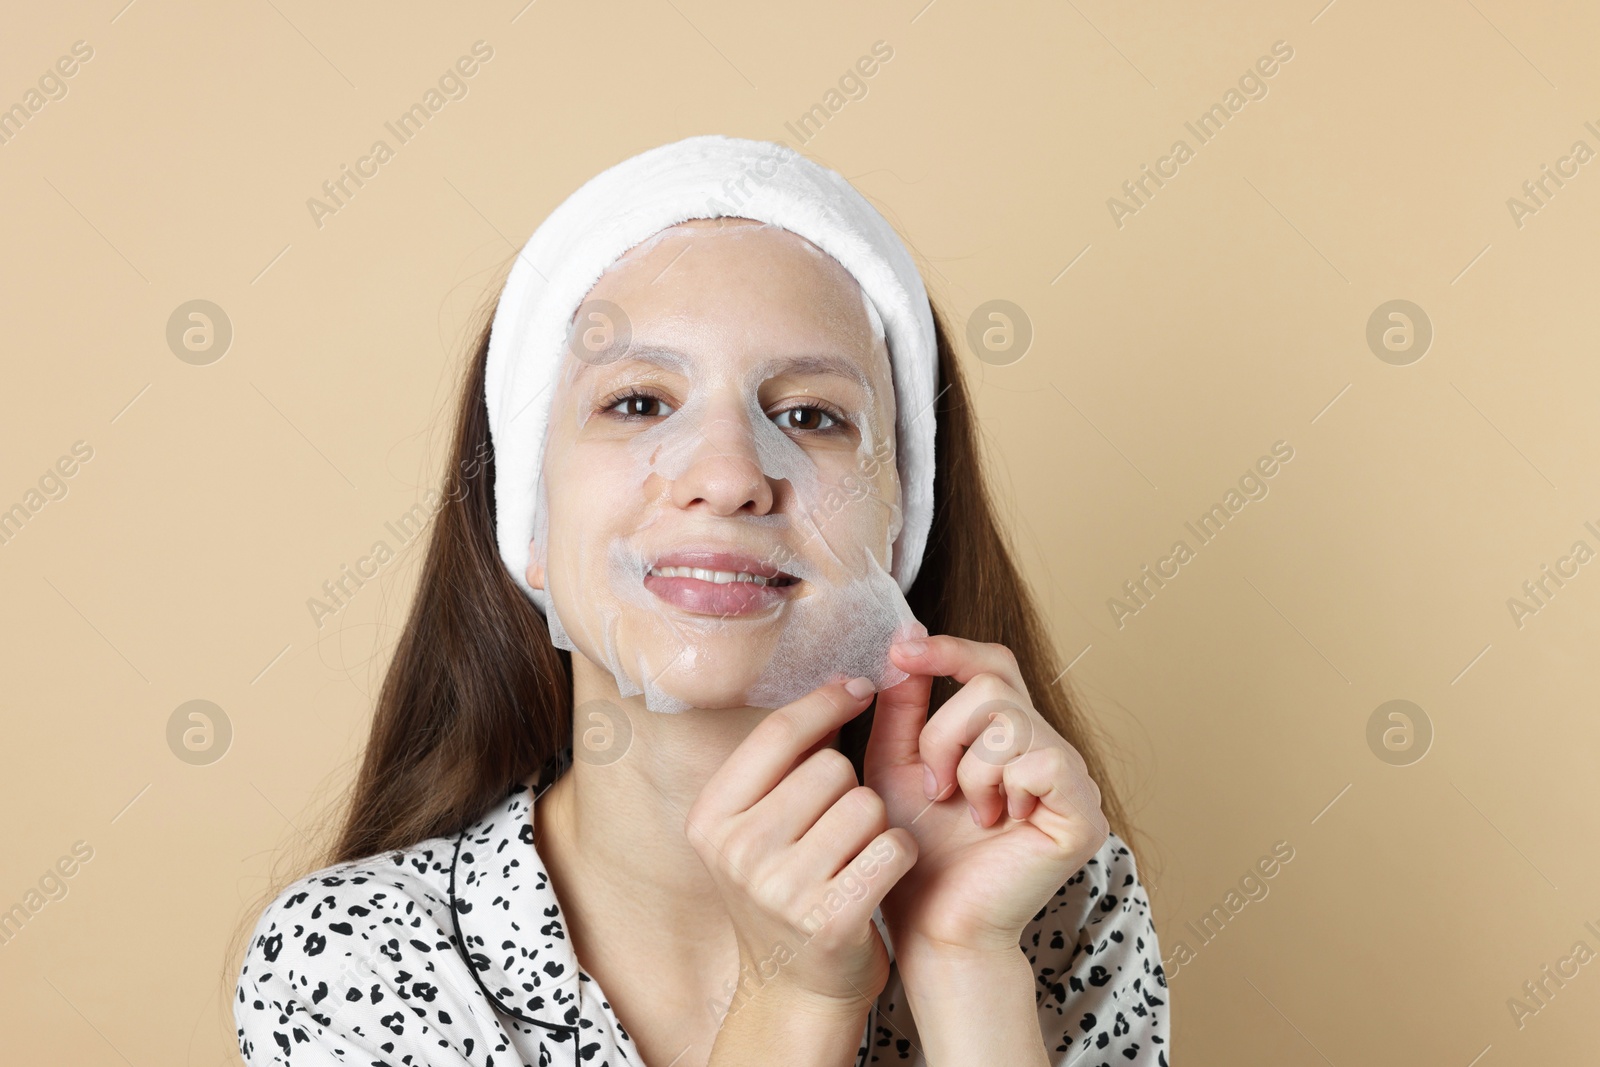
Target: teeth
[716,577]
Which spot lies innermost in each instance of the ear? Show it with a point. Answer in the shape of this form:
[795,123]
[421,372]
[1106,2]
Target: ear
[535,573]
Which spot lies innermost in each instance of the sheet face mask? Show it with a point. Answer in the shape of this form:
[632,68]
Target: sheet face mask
[834,518]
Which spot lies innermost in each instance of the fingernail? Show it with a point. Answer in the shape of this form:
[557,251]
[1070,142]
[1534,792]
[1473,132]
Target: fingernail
[858,687]
[913,648]
[930,783]
[974,813]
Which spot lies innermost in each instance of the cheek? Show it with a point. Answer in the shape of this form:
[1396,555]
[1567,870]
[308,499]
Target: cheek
[856,502]
[590,502]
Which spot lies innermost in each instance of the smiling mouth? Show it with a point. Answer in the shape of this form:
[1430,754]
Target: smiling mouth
[724,584]
[722,577]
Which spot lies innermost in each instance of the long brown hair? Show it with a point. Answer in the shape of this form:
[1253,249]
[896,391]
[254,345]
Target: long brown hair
[477,698]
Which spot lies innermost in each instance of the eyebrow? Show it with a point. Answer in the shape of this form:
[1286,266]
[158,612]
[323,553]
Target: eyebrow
[660,355]
[816,364]
[820,363]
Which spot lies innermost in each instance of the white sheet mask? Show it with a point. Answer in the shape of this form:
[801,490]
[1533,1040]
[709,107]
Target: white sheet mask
[834,520]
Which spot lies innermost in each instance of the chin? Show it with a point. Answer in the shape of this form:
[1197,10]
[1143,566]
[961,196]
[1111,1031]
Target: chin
[719,699]
[711,675]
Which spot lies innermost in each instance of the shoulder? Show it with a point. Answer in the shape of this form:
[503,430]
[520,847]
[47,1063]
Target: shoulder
[418,955]
[326,937]
[1097,933]
[348,902]
[1099,984]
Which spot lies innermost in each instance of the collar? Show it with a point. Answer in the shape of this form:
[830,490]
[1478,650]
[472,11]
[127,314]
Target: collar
[508,923]
[509,929]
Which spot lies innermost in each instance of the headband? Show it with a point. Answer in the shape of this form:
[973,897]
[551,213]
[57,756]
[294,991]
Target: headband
[702,177]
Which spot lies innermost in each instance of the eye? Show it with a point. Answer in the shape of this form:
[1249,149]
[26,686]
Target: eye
[638,404]
[805,418]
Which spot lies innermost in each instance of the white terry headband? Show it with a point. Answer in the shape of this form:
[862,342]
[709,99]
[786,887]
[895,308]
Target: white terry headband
[702,177]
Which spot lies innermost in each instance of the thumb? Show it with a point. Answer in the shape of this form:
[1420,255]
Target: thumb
[897,722]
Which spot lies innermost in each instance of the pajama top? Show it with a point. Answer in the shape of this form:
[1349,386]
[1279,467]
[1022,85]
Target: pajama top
[454,953]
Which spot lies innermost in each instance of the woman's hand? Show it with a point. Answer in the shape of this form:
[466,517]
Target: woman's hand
[802,854]
[980,878]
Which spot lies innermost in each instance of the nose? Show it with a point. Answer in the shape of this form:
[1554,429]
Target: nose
[724,474]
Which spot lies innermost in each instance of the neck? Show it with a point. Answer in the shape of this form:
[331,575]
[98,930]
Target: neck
[614,829]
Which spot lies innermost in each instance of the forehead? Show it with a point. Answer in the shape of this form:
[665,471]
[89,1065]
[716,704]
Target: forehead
[736,289]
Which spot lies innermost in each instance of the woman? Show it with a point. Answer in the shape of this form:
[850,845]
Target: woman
[661,723]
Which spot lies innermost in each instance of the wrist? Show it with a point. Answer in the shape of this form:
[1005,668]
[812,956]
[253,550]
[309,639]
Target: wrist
[960,963]
[780,997]
[784,976]
[973,1005]
[822,1007]
[1001,949]
[781,1023]
[940,979]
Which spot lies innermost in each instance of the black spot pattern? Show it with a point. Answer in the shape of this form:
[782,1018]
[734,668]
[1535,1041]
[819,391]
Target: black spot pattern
[1099,986]
[453,953]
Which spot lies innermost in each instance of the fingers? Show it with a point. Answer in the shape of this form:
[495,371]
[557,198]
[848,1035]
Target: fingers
[987,717]
[828,818]
[772,749]
[988,782]
[1062,800]
[800,853]
[841,833]
[955,657]
[1000,733]
[897,724]
[796,803]
[989,742]
[861,886]
[831,912]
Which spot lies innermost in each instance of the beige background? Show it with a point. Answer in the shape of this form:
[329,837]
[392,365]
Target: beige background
[1228,313]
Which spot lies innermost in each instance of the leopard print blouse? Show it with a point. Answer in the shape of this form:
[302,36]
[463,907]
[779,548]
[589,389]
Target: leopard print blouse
[454,953]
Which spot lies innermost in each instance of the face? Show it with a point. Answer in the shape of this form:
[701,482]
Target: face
[719,498]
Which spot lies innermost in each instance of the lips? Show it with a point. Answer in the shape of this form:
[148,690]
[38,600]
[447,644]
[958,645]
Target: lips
[718,582]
